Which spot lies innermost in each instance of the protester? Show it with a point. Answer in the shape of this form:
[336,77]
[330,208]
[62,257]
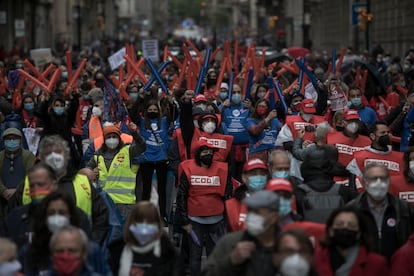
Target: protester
[401,263]
[9,265]
[402,186]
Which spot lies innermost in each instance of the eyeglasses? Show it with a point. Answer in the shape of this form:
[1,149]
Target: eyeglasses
[375,179]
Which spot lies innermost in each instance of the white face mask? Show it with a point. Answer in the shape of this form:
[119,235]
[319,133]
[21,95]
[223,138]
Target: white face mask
[112,143]
[352,127]
[255,224]
[411,164]
[56,161]
[294,265]
[378,189]
[10,268]
[96,111]
[55,222]
[209,127]
[307,117]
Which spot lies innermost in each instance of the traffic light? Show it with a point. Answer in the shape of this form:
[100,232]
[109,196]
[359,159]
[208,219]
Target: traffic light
[364,18]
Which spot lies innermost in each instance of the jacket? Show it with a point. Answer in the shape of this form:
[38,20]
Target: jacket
[366,263]
[397,225]
[401,262]
[219,263]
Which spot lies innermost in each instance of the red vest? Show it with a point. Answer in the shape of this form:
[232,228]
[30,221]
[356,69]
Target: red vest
[95,128]
[206,188]
[393,161]
[295,122]
[346,145]
[315,231]
[401,188]
[236,215]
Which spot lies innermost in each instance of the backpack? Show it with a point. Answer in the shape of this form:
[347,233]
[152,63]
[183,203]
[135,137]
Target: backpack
[317,206]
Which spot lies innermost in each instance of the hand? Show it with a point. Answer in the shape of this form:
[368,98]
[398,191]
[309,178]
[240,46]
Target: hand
[226,103]
[306,143]
[187,228]
[132,127]
[90,174]
[8,193]
[242,252]
[247,103]
[272,114]
[406,107]
[301,132]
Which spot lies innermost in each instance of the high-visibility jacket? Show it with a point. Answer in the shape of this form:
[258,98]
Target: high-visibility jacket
[83,193]
[119,180]
[95,127]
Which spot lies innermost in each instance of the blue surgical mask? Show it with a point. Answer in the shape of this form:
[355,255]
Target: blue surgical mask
[144,233]
[19,66]
[12,145]
[223,95]
[59,110]
[86,97]
[356,101]
[29,106]
[280,174]
[285,206]
[236,98]
[133,96]
[257,182]
[64,75]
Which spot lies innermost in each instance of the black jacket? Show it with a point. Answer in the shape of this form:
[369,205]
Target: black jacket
[397,224]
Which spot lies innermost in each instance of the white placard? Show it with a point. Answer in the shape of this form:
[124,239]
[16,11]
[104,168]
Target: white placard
[150,49]
[41,56]
[19,28]
[117,59]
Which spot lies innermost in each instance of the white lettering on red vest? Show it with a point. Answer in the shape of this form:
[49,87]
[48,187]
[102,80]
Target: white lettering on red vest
[218,143]
[407,196]
[300,125]
[394,166]
[201,180]
[347,149]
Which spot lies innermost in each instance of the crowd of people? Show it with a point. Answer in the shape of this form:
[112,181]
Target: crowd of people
[315,180]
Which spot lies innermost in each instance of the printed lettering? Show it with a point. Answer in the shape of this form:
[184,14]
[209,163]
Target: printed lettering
[201,180]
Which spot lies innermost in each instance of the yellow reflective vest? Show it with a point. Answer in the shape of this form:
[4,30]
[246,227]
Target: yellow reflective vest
[83,193]
[119,180]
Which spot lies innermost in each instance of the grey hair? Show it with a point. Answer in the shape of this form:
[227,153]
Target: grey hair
[274,154]
[321,131]
[69,229]
[375,165]
[53,140]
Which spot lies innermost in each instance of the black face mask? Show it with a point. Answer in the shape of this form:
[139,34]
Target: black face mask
[152,115]
[344,238]
[207,159]
[99,83]
[384,141]
[339,128]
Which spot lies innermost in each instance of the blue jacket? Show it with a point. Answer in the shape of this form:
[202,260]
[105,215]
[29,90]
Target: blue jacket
[266,139]
[235,123]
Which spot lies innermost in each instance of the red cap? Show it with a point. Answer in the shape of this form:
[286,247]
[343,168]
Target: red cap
[200,98]
[279,184]
[111,129]
[204,143]
[308,106]
[351,114]
[254,164]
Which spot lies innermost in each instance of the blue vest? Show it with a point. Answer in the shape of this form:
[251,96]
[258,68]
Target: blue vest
[156,139]
[266,139]
[235,122]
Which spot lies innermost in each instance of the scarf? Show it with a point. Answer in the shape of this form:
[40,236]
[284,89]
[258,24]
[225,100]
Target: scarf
[350,258]
[129,250]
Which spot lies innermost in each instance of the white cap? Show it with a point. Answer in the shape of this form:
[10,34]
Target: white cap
[224,85]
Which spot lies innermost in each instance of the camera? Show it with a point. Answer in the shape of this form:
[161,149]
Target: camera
[310,128]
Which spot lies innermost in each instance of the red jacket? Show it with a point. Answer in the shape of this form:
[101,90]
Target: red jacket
[401,188]
[366,263]
[236,215]
[295,122]
[401,262]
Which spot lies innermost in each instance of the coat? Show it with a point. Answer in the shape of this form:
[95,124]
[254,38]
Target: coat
[366,263]
[401,262]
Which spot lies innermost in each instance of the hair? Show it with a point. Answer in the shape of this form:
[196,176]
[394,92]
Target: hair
[41,165]
[274,154]
[147,122]
[42,235]
[255,115]
[26,96]
[70,229]
[373,128]
[354,87]
[365,238]
[53,140]
[301,237]
[321,131]
[406,158]
[374,165]
[144,210]
[8,250]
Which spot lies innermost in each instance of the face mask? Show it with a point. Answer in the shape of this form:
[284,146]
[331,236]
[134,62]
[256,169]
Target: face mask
[206,159]
[64,75]
[261,95]
[294,265]
[411,164]
[352,127]
[12,145]
[55,222]
[56,161]
[202,106]
[152,115]
[29,106]
[86,97]
[403,84]
[255,224]
[339,128]
[307,117]
[285,206]
[96,111]
[344,238]
[223,95]
[10,268]
[280,174]
[66,264]
[236,98]
[112,143]
[257,182]
[378,189]
[384,141]
[297,106]
[59,110]
[261,110]
[356,101]
[19,66]
[144,233]
[133,96]
[209,127]
[38,194]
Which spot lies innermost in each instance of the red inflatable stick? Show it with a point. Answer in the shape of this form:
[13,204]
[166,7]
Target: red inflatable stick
[48,70]
[26,75]
[55,77]
[69,64]
[194,48]
[31,68]
[136,67]
[75,77]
